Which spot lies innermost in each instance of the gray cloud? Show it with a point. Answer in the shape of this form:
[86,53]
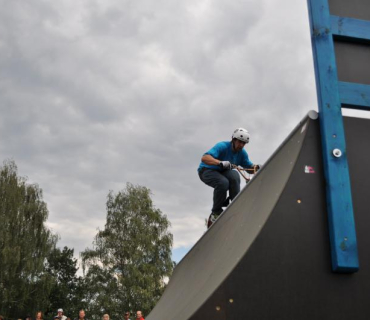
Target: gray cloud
[96,94]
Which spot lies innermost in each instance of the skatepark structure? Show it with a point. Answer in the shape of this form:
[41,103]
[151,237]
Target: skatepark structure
[294,244]
[268,255]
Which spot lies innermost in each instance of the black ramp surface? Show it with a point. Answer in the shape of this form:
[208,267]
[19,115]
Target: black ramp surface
[220,250]
[286,272]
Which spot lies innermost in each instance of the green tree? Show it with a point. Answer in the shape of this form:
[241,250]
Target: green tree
[131,257]
[68,290]
[25,243]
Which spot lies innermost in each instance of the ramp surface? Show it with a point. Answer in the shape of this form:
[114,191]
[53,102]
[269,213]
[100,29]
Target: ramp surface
[268,255]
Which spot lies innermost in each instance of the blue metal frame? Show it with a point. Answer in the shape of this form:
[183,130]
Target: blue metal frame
[350,29]
[331,94]
[354,96]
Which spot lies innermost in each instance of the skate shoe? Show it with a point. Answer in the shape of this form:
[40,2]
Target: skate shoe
[212,218]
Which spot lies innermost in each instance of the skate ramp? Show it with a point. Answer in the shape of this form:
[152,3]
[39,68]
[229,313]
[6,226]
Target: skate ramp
[286,272]
[194,288]
[268,255]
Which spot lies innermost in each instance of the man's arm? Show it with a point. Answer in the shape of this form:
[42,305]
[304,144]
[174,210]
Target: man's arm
[208,159]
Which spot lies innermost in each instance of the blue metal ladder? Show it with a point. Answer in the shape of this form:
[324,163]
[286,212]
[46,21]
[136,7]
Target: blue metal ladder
[332,96]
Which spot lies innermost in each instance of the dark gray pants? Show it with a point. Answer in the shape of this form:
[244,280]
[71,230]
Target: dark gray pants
[228,180]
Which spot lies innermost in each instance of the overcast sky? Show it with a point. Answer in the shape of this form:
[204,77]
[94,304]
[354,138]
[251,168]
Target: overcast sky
[98,93]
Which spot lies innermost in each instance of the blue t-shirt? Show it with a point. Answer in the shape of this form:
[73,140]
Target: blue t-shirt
[223,151]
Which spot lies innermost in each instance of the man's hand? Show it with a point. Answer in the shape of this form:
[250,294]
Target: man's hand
[256,167]
[226,165]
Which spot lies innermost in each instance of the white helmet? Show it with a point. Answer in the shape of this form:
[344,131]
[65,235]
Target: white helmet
[241,134]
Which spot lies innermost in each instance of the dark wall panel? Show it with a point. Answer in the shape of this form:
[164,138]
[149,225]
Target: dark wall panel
[357,9]
[353,61]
